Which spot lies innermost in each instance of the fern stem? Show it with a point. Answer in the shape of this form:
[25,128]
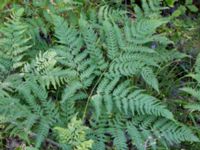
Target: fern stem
[91,93]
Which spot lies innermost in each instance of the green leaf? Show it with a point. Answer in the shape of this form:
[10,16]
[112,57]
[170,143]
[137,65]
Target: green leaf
[181,10]
[188,2]
[192,8]
[97,103]
[170,2]
[150,78]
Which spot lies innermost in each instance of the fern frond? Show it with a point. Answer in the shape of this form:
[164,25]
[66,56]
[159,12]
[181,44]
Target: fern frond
[5,88]
[126,100]
[109,13]
[119,140]
[15,41]
[150,8]
[74,135]
[136,137]
[193,107]
[197,64]
[173,133]
[111,40]
[141,32]
[158,130]
[98,146]
[168,56]
[33,112]
[194,92]
[90,39]
[5,64]
[44,67]
[150,78]
[129,64]
[43,130]
[71,54]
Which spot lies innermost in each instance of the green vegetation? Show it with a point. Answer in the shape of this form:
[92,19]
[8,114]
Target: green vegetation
[99,75]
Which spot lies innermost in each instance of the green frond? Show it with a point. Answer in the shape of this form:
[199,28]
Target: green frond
[91,40]
[5,88]
[5,64]
[130,63]
[109,13]
[194,92]
[45,69]
[119,140]
[67,35]
[193,107]
[126,100]
[97,101]
[33,112]
[169,55]
[14,40]
[150,8]
[98,146]
[111,40]
[67,110]
[74,135]
[150,78]
[43,130]
[70,90]
[136,137]
[72,56]
[163,131]
[141,32]
[197,64]
[195,76]
[173,133]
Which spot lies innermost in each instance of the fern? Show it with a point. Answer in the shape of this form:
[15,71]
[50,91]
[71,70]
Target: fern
[194,91]
[91,40]
[136,137]
[71,49]
[14,41]
[36,108]
[119,140]
[143,131]
[126,100]
[89,70]
[107,12]
[150,8]
[45,69]
[150,78]
[74,135]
